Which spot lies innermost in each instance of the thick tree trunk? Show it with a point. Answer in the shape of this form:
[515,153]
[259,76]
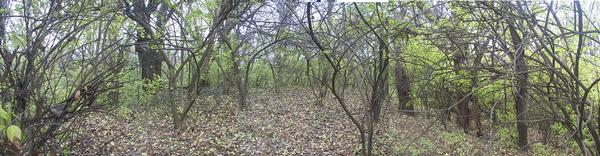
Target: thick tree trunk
[239,80]
[476,114]
[150,60]
[6,74]
[403,87]
[463,114]
[173,106]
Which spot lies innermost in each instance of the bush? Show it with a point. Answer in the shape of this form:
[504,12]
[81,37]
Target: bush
[453,139]
[507,137]
[541,149]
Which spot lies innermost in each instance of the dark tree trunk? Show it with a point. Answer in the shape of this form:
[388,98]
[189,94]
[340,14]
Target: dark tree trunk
[521,96]
[380,85]
[150,60]
[403,87]
[463,114]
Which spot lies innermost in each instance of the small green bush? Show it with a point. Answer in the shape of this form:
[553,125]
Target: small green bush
[452,138]
[541,149]
[506,137]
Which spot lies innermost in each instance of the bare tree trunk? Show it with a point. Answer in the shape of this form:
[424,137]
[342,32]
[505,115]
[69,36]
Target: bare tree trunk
[462,113]
[225,7]
[521,96]
[475,112]
[275,84]
[177,120]
[239,80]
[380,84]
[323,85]
[317,80]
[403,87]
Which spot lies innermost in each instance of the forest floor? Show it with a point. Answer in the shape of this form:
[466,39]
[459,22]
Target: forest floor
[285,122]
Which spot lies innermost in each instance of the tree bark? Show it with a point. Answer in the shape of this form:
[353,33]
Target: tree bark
[463,118]
[150,60]
[403,87]
[239,79]
[521,96]
[380,85]
[474,109]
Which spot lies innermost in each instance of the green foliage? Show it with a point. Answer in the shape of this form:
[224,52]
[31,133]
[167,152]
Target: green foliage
[170,4]
[558,128]
[426,144]
[154,86]
[453,138]
[507,116]
[506,137]
[542,149]
[13,132]
[4,118]
[423,146]
[124,110]
[133,95]
[419,51]
[461,83]
[492,92]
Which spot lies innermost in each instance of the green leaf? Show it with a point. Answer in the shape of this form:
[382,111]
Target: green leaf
[170,4]
[13,132]
[4,117]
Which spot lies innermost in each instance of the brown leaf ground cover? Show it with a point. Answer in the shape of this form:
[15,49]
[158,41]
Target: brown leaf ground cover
[284,122]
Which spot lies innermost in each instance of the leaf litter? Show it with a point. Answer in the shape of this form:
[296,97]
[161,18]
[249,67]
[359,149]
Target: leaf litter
[282,122]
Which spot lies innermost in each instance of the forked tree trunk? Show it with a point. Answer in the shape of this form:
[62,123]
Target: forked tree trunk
[380,85]
[149,59]
[225,7]
[239,80]
[317,80]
